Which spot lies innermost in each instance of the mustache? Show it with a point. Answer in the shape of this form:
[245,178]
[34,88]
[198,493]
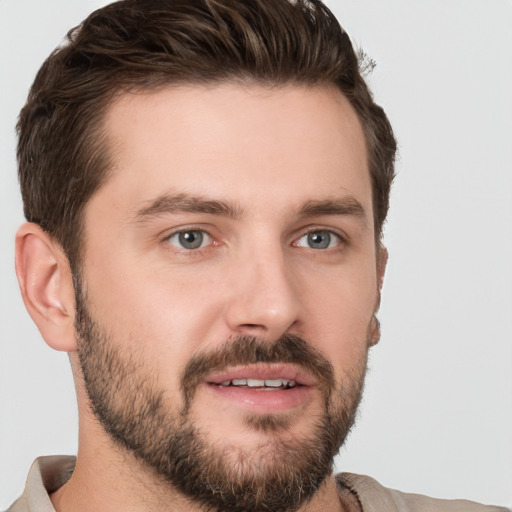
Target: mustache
[244,350]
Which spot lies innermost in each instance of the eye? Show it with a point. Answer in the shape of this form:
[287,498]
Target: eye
[190,239]
[319,239]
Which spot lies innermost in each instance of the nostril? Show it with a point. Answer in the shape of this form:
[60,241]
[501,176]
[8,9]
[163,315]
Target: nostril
[253,327]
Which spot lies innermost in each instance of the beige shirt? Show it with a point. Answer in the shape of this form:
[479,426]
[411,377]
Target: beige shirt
[49,473]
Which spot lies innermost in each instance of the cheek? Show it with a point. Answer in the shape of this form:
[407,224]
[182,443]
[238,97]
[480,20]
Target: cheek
[339,307]
[159,316]
[343,292]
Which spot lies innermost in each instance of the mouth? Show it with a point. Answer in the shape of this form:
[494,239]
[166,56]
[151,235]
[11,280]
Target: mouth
[262,385]
[262,388]
[272,376]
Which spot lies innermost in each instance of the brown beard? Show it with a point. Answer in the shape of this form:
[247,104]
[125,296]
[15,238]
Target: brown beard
[280,475]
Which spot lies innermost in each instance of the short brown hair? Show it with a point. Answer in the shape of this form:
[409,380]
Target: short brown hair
[148,44]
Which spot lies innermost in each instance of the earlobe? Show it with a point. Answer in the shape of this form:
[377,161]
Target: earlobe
[374,334]
[46,286]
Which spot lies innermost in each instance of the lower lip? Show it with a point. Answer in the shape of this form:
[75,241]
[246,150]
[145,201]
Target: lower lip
[264,401]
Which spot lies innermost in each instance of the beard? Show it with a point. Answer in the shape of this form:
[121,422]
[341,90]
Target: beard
[279,475]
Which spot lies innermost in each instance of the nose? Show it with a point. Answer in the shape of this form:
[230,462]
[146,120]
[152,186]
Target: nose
[264,301]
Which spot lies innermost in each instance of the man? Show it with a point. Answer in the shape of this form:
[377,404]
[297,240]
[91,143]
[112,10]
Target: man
[205,185]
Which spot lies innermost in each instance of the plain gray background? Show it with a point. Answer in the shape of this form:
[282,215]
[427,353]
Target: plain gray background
[437,413]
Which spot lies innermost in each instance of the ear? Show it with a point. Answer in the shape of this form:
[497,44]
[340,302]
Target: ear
[382,261]
[374,327]
[46,285]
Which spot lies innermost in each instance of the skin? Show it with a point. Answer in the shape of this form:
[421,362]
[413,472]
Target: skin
[266,153]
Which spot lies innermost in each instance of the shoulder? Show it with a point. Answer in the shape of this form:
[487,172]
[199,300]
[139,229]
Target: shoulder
[46,475]
[376,498]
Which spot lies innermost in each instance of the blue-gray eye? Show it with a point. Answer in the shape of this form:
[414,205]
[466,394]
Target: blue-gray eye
[191,239]
[320,239]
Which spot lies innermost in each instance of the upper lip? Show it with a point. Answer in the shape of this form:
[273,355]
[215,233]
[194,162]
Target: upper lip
[263,371]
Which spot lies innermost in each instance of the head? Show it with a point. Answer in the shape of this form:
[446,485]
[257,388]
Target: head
[213,178]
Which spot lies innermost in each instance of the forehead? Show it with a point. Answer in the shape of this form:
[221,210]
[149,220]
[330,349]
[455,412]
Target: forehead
[235,141]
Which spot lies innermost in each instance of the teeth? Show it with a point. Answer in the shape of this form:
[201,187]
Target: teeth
[257,383]
[276,383]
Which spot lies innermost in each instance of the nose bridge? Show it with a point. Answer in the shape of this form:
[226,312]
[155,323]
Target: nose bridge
[265,301]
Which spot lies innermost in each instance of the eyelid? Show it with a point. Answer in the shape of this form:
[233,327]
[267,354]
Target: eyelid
[342,238]
[184,229]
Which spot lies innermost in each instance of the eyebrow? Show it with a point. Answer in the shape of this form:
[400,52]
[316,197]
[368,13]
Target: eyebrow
[347,206]
[184,203]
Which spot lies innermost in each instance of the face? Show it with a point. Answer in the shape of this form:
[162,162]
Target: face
[228,287]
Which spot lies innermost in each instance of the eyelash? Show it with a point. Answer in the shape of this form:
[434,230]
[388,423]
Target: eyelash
[195,250]
[339,240]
